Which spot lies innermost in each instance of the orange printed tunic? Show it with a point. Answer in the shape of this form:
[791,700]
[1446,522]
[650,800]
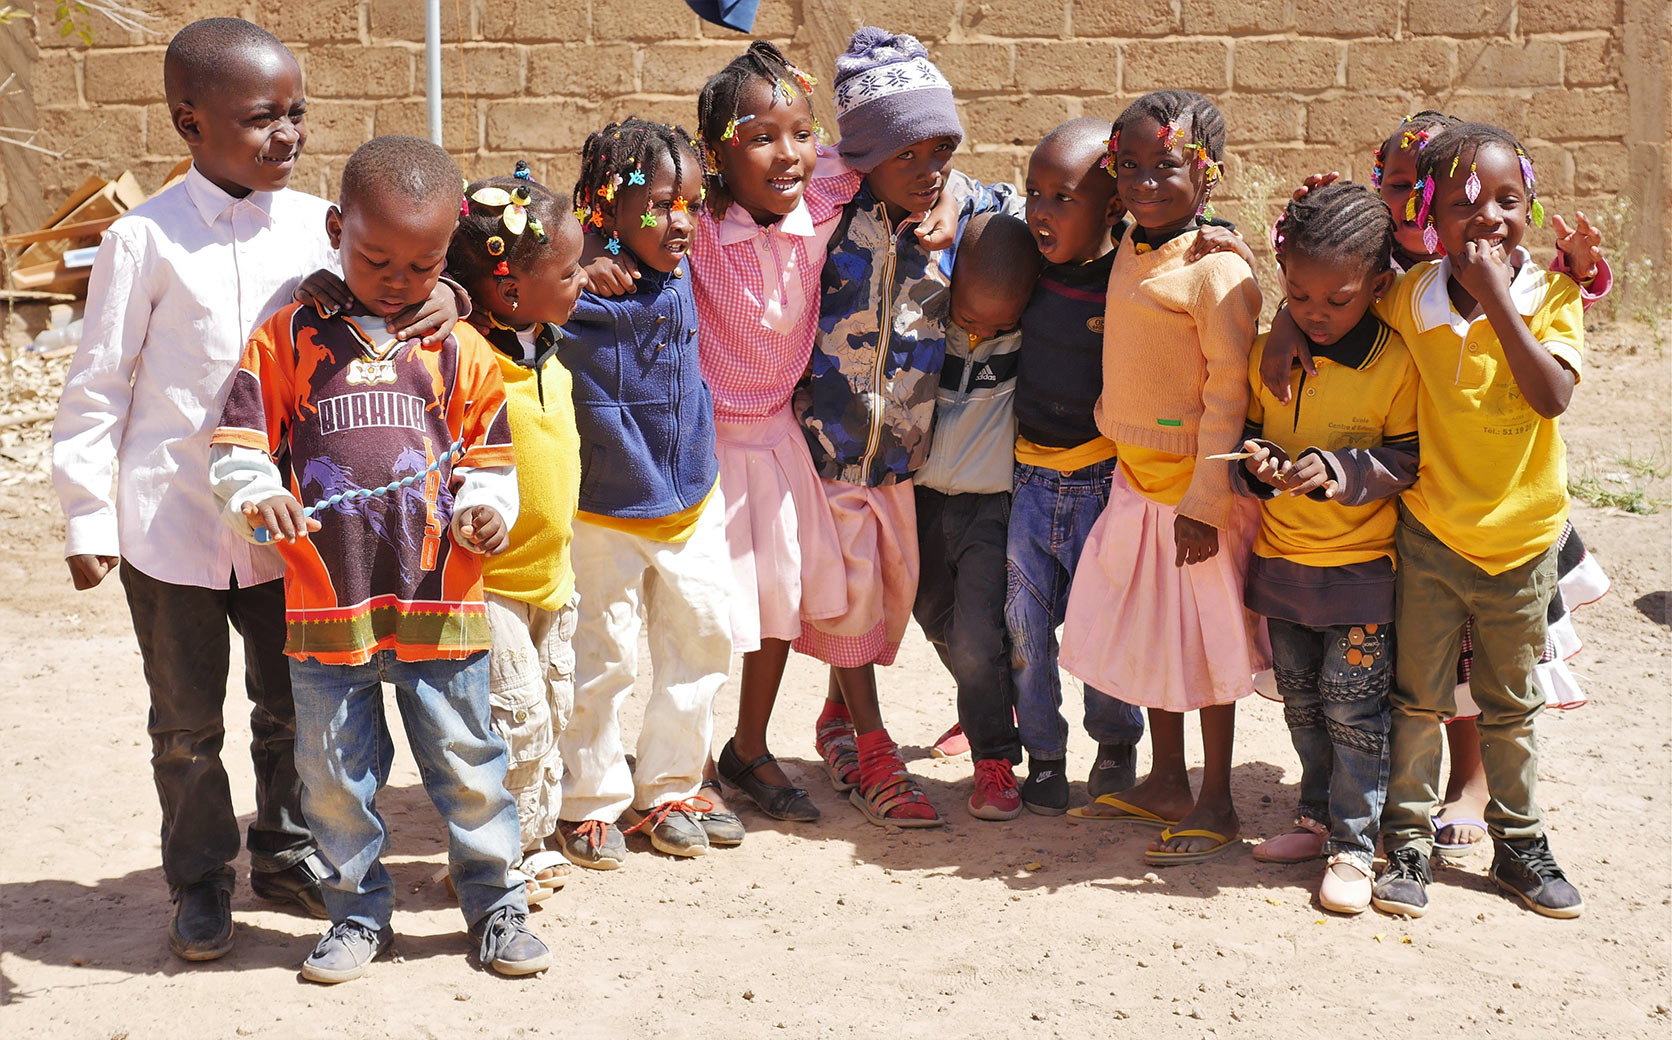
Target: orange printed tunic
[336,417]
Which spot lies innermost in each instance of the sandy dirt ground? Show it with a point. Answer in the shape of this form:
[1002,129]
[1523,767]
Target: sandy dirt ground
[1033,928]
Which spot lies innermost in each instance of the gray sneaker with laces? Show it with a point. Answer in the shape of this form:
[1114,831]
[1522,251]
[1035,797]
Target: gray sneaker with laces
[345,952]
[504,943]
[1526,869]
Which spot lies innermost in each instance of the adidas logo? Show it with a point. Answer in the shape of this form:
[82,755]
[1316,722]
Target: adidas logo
[985,371]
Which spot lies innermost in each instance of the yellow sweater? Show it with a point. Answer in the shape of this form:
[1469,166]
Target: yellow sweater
[1175,362]
[536,568]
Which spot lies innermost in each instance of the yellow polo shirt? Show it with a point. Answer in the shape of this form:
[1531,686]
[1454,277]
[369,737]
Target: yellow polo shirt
[1492,484]
[1363,396]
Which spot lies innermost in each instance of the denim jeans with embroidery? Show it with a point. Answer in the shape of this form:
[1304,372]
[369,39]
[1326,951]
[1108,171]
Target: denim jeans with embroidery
[1051,513]
[1335,683]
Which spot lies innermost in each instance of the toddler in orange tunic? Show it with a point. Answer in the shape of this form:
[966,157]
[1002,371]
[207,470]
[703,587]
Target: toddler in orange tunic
[405,454]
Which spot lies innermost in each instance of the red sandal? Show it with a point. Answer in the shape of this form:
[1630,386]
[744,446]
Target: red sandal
[837,745]
[882,804]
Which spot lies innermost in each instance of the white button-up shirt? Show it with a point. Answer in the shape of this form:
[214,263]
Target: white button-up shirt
[179,285]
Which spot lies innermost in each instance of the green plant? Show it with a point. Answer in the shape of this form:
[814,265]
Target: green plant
[1635,295]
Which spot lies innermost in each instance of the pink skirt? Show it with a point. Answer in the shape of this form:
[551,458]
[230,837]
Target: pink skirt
[778,524]
[1155,635]
[878,566]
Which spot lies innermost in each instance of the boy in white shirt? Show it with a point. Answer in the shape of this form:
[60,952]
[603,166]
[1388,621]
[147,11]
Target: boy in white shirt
[179,284]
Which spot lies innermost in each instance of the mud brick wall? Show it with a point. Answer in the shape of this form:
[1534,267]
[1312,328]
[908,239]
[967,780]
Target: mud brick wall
[1305,84]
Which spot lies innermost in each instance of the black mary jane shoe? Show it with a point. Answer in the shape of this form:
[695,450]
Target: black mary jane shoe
[722,826]
[779,801]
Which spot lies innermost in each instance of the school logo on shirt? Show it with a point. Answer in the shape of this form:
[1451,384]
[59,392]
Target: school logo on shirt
[370,373]
[1095,324]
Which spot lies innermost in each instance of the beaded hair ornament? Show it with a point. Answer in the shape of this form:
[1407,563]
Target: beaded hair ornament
[1422,213]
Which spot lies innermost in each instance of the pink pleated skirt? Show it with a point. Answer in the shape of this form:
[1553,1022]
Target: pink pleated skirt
[784,551]
[1155,635]
[876,528]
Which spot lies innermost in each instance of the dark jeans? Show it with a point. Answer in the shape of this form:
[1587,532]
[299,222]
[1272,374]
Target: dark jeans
[1050,517]
[182,632]
[1335,683]
[960,604]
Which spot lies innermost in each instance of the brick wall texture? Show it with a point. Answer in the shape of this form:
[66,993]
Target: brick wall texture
[1305,84]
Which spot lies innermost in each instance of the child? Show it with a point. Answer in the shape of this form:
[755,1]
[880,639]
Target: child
[963,499]
[1328,467]
[1498,344]
[385,584]
[179,284]
[518,251]
[1064,465]
[1580,579]
[652,531]
[867,406]
[1155,614]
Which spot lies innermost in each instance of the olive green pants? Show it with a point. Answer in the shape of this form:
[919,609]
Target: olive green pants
[1438,592]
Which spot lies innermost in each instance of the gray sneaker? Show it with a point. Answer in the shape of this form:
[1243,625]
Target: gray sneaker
[1402,888]
[593,844]
[504,943]
[1526,869]
[675,828]
[345,952]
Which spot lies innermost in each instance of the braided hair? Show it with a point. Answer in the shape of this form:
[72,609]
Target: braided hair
[1415,129]
[1441,157]
[1197,118]
[723,93]
[486,244]
[612,157]
[1342,222]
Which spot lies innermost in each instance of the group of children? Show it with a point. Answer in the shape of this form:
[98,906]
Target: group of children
[744,392]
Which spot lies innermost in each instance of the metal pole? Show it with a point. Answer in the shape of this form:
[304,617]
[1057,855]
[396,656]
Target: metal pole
[432,65]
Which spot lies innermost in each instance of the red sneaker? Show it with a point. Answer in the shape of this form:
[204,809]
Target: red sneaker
[951,744]
[996,796]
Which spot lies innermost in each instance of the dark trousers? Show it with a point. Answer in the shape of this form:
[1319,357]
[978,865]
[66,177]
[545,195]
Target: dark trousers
[960,605]
[182,631]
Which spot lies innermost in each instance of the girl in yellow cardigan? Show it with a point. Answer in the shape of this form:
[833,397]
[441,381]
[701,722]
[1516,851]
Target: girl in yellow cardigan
[1155,616]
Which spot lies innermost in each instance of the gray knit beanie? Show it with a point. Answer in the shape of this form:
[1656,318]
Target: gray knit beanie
[888,95]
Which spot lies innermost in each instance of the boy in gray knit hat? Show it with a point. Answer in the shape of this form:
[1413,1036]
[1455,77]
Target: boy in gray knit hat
[868,405]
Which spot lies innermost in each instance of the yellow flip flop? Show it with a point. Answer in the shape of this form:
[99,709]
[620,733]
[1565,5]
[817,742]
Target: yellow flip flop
[1126,813]
[1173,859]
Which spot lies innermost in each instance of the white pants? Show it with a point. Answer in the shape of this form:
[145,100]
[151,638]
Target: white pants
[531,687]
[685,589]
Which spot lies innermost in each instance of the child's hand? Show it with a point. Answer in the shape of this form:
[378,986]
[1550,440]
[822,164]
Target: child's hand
[481,530]
[1314,181]
[1582,246]
[1216,238]
[324,292]
[433,320]
[1284,346]
[1308,474]
[1268,464]
[1197,542]
[282,516]
[607,274]
[1482,270]
[87,570]
[937,230]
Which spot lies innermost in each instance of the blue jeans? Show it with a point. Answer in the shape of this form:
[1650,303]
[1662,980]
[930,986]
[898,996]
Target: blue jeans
[343,752]
[1051,513]
[1336,705]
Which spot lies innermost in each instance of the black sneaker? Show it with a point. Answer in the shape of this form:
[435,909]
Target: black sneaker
[1115,770]
[1402,888]
[1526,868]
[345,952]
[505,944]
[202,925]
[298,884]
[1045,791]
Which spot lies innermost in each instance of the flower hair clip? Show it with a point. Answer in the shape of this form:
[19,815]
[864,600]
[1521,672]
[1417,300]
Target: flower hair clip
[647,218]
[635,176]
[1170,134]
[1377,168]
[1110,147]
[514,203]
[680,205]
[1416,137]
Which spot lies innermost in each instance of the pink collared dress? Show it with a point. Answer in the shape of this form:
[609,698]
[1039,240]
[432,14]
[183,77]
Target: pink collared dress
[757,290]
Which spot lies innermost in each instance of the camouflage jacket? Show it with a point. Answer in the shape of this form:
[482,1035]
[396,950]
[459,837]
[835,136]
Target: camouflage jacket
[868,402]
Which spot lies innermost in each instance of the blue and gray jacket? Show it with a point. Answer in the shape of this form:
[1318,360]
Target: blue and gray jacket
[869,401]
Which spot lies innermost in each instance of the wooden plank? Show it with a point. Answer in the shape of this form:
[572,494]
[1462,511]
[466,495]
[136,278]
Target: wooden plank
[82,229]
